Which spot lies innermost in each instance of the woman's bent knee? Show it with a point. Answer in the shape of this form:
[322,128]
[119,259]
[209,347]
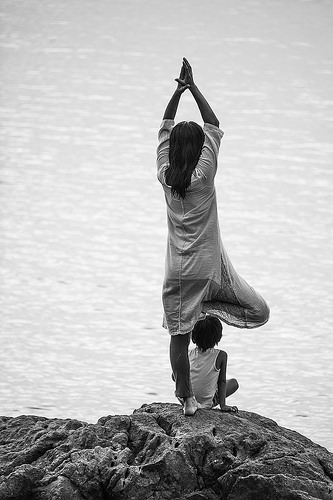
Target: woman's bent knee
[260,315]
[265,312]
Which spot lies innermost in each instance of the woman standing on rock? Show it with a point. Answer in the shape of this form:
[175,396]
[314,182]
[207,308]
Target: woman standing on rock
[199,277]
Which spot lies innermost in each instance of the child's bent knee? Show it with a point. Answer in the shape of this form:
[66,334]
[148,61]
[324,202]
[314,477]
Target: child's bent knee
[235,383]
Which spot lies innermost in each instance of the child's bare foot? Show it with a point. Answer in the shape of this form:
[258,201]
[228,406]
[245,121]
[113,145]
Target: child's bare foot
[191,405]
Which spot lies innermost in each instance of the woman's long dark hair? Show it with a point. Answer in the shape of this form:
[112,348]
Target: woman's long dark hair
[186,141]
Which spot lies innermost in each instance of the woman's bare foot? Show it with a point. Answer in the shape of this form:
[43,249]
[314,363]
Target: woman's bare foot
[191,405]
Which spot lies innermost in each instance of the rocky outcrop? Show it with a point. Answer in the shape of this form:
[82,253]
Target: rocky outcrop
[157,453]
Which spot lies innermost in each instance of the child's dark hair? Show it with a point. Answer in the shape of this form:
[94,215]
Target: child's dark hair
[207,333]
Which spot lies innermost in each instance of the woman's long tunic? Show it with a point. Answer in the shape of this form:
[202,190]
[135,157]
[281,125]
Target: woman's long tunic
[199,277]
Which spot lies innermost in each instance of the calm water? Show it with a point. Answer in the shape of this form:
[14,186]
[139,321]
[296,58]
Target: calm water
[84,86]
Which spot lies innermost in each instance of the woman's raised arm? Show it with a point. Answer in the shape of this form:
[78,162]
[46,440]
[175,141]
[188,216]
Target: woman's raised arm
[208,115]
[172,106]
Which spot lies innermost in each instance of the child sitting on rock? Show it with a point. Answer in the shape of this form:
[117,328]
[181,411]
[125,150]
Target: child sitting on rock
[208,366]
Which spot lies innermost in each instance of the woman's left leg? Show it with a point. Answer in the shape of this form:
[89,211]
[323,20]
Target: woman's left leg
[236,302]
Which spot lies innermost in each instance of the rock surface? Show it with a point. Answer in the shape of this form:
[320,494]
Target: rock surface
[157,453]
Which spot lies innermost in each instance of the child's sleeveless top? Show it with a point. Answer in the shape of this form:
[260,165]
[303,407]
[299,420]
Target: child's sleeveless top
[204,375]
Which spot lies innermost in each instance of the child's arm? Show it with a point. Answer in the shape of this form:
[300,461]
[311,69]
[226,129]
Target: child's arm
[222,360]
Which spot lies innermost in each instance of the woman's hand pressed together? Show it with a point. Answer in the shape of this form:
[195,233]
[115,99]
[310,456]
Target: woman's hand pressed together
[188,73]
[182,83]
